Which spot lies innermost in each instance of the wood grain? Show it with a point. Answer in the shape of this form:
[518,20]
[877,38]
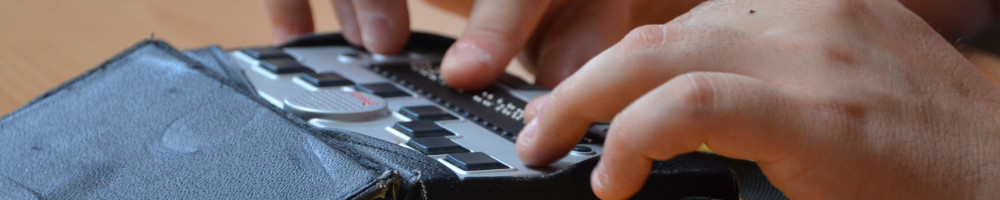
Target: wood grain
[46,42]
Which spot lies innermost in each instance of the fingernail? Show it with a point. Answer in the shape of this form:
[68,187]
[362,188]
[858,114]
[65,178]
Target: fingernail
[601,175]
[529,131]
[465,55]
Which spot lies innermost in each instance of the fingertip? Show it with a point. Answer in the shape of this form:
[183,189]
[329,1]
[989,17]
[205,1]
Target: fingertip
[600,183]
[553,130]
[282,34]
[289,19]
[535,155]
[384,36]
[469,67]
[619,178]
[525,149]
[348,22]
[384,24]
[352,34]
[537,148]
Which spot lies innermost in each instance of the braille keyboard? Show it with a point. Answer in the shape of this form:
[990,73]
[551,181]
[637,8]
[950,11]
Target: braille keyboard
[401,98]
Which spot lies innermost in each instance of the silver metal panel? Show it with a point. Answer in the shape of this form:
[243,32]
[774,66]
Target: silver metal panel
[351,63]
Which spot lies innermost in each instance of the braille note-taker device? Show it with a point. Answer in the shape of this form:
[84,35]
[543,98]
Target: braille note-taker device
[401,98]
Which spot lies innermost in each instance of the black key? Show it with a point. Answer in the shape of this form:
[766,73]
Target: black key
[349,56]
[516,83]
[383,89]
[421,128]
[432,113]
[265,52]
[583,149]
[283,65]
[325,79]
[435,145]
[474,161]
[597,132]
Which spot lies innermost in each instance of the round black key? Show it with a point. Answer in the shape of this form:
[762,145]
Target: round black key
[582,149]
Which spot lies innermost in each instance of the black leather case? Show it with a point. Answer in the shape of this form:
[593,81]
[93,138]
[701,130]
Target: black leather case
[157,123]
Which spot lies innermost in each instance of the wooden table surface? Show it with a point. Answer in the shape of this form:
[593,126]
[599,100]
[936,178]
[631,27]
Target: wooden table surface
[46,42]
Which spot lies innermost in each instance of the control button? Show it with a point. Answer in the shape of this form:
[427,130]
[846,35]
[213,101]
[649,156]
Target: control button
[383,89]
[351,56]
[474,161]
[599,130]
[422,54]
[421,128]
[382,67]
[435,145]
[265,52]
[325,79]
[337,105]
[395,58]
[583,150]
[516,83]
[428,112]
[283,65]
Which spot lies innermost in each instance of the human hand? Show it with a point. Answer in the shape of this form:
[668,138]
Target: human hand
[833,99]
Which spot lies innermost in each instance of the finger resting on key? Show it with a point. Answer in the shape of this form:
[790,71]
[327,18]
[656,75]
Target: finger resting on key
[348,20]
[646,58]
[496,31]
[384,24]
[736,115]
[289,19]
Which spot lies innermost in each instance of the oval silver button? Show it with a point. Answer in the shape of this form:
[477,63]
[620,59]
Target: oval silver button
[337,105]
